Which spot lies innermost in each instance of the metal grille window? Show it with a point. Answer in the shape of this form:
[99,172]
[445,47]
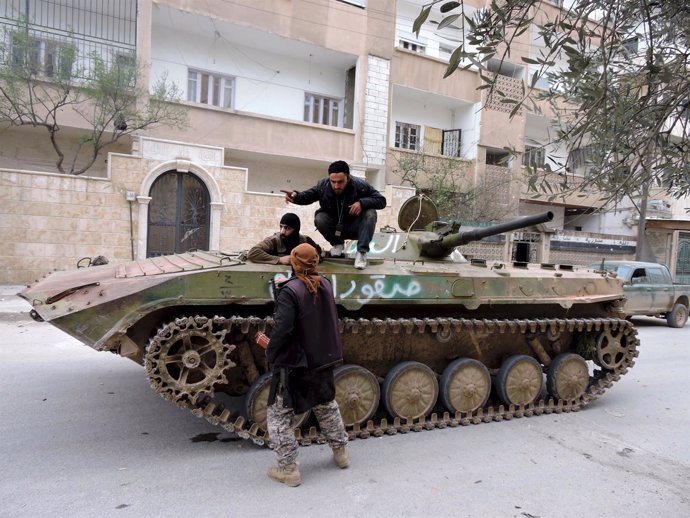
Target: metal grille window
[207,88]
[534,156]
[451,143]
[323,110]
[407,135]
[414,47]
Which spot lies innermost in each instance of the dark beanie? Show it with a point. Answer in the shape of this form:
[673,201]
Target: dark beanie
[339,166]
[291,220]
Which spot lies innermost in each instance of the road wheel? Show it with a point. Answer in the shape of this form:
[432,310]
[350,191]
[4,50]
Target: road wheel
[410,390]
[677,316]
[465,385]
[520,380]
[256,403]
[611,349]
[357,393]
[567,377]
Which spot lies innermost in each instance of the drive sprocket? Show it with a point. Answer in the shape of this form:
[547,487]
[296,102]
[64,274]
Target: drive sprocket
[186,358]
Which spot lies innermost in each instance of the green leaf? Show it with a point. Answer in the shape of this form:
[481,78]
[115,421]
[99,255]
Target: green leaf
[452,66]
[449,6]
[530,61]
[423,15]
[448,20]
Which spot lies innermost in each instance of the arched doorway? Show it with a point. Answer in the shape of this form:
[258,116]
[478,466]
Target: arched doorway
[178,215]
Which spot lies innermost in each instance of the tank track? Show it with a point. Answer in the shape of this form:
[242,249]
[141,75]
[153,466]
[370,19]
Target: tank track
[204,406]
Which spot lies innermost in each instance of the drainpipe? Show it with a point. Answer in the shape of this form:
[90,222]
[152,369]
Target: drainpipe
[131,196]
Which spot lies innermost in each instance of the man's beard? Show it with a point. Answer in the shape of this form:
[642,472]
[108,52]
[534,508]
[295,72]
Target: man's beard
[291,241]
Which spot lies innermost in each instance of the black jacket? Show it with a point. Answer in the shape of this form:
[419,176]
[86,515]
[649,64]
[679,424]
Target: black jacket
[357,189]
[305,333]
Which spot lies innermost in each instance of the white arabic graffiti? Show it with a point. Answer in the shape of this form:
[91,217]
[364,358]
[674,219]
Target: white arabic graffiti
[376,289]
[380,244]
[366,291]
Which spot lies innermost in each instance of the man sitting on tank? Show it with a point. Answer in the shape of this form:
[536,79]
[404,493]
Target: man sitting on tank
[275,249]
[347,209]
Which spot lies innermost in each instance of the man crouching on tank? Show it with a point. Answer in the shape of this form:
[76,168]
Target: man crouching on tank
[347,209]
[302,352]
[276,249]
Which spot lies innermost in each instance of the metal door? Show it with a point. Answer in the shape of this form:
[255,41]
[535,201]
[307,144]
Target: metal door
[683,259]
[178,215]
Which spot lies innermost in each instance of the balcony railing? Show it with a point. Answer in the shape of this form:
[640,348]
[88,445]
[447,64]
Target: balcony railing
[98,27]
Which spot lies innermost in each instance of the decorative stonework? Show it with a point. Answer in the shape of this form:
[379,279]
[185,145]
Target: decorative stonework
[165,150]
[376,111]
[511,88]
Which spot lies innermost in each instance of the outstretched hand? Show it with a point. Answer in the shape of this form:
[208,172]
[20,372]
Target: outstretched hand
[289,195]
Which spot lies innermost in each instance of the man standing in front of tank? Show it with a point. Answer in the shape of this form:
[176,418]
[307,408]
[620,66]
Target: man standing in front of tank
[302,352]
[347,209]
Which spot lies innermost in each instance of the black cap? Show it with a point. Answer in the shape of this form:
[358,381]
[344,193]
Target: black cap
[291,220]
[339,166]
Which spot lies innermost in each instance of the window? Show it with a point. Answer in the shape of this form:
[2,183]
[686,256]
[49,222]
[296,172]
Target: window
[48,58]
[323,110]
[445,52]
[451,142]
[207,88]
[499,158]
[414,47]
[534,156]
[580,160]
[407,135]
[639,276]
[124,60]
[632,45]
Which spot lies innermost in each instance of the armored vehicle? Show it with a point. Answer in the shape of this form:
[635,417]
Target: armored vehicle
[430,338]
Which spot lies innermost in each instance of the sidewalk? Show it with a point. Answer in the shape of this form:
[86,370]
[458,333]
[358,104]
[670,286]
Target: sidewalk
[13,307]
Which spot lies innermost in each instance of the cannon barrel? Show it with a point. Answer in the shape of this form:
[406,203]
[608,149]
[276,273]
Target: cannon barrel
[444,246]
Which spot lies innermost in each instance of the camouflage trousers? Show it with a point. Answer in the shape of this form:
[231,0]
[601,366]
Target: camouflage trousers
[282,432]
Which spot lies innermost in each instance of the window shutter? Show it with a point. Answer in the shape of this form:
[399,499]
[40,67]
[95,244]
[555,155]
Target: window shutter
[433,138]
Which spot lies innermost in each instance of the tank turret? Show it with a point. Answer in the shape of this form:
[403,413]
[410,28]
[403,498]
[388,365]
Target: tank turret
[444,245]
[425,237]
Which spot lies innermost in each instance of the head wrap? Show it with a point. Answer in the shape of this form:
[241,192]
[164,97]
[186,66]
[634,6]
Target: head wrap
[291,220]
[304,259]
[339,166]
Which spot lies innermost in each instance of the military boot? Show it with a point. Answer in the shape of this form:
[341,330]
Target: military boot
[288,475]
[340,457]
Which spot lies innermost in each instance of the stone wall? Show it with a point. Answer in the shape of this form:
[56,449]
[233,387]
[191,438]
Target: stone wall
[50,221]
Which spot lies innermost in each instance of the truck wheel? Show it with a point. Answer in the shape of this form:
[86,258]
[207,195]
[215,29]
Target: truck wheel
[677,316]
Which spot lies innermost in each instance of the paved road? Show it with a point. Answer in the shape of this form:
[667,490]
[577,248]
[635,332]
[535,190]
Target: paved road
[82,434]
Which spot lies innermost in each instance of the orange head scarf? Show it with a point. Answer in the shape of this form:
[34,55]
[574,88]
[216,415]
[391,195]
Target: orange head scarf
[304,259]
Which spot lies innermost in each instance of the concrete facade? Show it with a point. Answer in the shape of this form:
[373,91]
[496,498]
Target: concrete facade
[258,81]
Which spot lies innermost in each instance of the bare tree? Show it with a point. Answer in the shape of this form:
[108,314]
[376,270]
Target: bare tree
[108,98]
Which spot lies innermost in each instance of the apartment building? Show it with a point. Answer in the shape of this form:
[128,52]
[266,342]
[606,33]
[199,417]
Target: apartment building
[450,118]
[273,92]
